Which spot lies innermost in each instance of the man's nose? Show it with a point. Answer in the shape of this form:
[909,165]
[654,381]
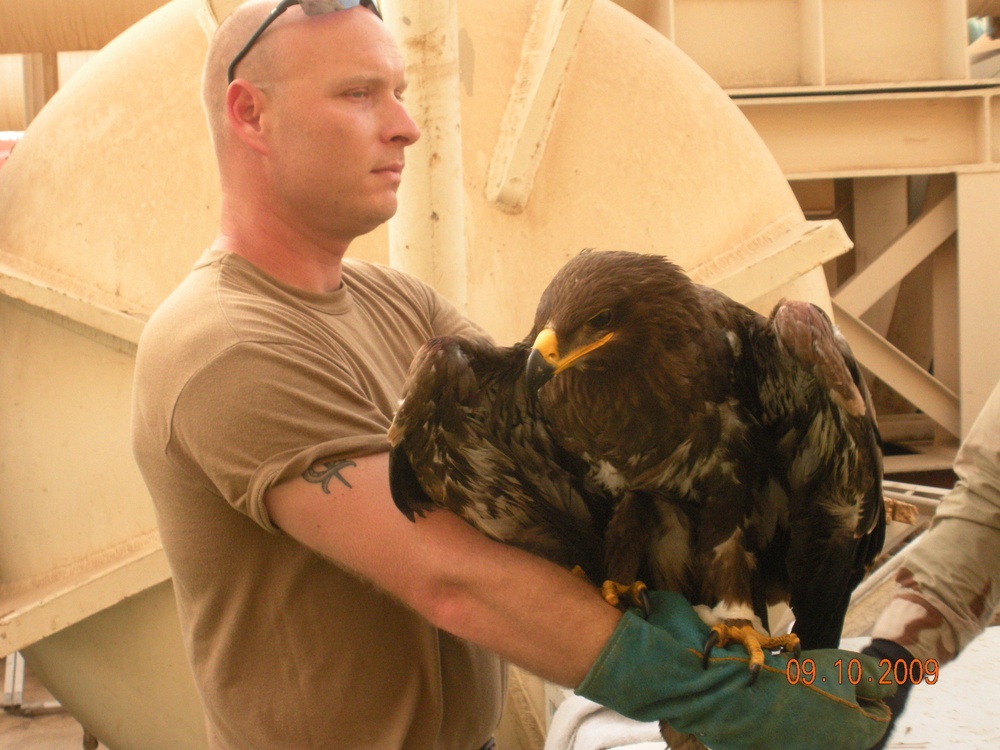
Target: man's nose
[404,128]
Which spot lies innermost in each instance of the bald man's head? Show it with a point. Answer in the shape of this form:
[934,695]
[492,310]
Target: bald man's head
[244,40]
[313,127]
[259,65]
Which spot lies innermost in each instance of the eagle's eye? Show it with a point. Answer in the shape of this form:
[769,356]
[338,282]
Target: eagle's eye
[601,320]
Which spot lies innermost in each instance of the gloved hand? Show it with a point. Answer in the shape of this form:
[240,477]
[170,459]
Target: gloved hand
[881,649]
[652,671]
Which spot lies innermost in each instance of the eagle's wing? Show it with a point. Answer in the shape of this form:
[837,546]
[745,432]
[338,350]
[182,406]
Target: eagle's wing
[468,437]
[830,459]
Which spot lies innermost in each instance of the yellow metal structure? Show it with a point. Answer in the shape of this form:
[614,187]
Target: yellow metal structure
[869,99]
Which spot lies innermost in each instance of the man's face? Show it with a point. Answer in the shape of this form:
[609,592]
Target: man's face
[335,124]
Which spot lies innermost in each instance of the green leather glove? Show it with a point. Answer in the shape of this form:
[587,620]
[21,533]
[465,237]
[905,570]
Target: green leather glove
[652,671]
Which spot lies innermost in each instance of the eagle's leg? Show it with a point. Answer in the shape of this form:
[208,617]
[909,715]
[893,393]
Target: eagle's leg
[743,631]
[628,536]
[740,614]
[636,594]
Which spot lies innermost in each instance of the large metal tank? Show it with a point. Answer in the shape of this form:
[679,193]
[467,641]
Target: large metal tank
[572,125]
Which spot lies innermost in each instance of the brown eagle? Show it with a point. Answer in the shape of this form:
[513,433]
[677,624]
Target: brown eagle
[725,455]
[468,436]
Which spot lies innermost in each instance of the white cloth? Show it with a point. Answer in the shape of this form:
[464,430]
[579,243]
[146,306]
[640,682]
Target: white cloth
[579,724]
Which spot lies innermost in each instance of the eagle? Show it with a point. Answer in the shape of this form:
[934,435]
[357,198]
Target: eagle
[713,451]
[468,436]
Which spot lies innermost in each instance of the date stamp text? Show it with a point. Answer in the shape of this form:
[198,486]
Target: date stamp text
[895,672]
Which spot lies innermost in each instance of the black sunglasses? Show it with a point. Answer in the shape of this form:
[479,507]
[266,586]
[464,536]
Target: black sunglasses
[311,8]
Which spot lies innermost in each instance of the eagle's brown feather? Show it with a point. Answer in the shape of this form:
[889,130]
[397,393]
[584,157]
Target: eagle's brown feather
[470,438]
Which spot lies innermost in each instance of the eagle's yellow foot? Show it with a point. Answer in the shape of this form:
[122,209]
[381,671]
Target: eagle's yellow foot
[636,593]
[741,631]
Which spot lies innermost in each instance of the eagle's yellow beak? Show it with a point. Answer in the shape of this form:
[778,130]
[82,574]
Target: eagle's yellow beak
[544,362]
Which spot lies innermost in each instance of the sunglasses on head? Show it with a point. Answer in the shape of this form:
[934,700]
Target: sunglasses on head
[311,8]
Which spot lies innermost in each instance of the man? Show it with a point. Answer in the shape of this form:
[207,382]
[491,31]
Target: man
[948,587]
[314,614]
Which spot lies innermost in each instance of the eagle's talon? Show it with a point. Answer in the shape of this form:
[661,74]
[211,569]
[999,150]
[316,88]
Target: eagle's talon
[645,604]
[742,632]
[711,642]
[636,593]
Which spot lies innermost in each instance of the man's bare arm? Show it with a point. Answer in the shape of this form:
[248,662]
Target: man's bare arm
[527,610]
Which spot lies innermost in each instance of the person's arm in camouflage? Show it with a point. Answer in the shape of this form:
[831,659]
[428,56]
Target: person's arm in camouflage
[949,585]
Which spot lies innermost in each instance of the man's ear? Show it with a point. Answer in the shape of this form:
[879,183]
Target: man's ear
[245,105]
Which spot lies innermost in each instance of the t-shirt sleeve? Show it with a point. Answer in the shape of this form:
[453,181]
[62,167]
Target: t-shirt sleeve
[444,318]
[257,415]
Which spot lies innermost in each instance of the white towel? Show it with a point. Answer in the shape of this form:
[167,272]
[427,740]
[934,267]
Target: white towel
[579,724]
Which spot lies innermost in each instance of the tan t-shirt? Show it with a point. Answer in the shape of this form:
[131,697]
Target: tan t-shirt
[242,382]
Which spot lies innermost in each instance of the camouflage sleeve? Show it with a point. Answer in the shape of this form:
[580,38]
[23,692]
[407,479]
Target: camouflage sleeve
[949,585]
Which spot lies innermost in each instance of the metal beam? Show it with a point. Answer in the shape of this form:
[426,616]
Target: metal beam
[810,43]
[427,234]
[545,58]
[898,371]
[857,133]
[34,609]
[748,277]
[881,211]
[912,247]
[978,311]
[41,81]
[71,303]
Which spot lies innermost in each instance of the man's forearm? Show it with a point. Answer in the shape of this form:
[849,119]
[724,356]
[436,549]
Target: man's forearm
[529,611]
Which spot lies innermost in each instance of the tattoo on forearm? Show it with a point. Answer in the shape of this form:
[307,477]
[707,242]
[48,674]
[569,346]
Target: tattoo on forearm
[322,472]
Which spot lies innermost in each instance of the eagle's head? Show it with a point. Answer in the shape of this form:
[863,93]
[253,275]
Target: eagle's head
[608,313]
